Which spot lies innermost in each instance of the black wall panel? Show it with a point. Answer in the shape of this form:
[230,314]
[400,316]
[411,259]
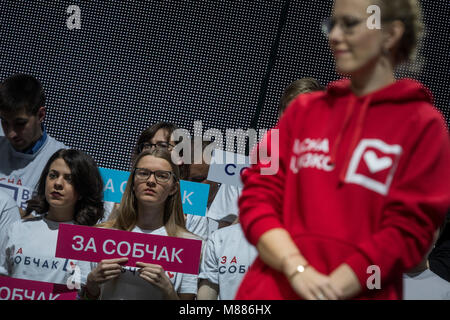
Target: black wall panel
[134,63]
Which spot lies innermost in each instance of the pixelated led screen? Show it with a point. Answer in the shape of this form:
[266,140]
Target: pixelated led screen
[224,63]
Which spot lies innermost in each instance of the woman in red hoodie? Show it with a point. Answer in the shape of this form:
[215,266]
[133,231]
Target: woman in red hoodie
[364,175]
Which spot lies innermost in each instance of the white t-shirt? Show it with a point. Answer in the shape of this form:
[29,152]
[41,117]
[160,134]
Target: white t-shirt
[197,225]
[225,204]
[20,172]
[227,257]
[130,286]
[30,254]
[425,286]
[9,213]
[108,206]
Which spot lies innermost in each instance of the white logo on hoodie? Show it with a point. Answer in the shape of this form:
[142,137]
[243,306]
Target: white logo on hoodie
[310,153]
[381,165]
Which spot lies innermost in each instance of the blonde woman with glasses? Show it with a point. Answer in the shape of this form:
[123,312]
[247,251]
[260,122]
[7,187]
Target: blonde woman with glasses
[151,204]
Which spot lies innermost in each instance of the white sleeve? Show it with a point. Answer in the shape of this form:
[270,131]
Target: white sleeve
[9,213]
[109,207]
[5,253]
[209,268]
[197,225]
[188,283]
[225,203]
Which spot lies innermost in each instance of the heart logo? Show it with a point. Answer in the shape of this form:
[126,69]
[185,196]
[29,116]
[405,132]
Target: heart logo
[376,164]
[171,275]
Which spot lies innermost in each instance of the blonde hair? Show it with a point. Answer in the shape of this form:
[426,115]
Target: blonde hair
[409,12]
[127,212]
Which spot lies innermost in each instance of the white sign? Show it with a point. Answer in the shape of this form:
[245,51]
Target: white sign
[226,167]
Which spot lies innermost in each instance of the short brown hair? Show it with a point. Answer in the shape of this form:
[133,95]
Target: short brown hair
[150,132]
[295,88]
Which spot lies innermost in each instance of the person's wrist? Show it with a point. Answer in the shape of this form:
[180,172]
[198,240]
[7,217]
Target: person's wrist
[299,269]
[92,289]
[293,264]
[171,294]
[85,294]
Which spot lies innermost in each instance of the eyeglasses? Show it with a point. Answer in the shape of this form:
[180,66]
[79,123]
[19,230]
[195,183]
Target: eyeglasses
[152,146]
[347,24]
[161,176]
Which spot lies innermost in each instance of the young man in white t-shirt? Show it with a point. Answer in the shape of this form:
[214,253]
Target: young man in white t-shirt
[25,145]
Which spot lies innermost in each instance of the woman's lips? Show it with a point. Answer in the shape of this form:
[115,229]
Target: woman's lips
[55,194]
[338,53]
[149,191]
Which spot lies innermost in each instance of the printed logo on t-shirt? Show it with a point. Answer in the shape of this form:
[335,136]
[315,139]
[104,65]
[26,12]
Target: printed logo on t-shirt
[74,281]
[373,165]
[64,270]
[15,189]
[231,266]
[310,153]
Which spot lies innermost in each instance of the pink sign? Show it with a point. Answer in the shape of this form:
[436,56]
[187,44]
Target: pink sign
[96,244]
[19,289]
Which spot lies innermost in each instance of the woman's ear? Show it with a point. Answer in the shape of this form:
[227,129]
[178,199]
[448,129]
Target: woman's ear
[394,32]
[174,188]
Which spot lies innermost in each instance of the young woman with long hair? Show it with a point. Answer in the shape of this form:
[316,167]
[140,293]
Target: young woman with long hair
[70,190]
[150,204]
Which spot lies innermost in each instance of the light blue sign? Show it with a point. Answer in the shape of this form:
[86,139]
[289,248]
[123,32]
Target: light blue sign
[114,183]
[194,197]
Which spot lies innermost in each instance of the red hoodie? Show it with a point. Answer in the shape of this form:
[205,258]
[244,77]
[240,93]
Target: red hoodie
[362,180]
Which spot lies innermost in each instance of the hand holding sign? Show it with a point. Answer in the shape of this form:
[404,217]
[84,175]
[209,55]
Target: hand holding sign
[106,270]
[96,244]
[155,274]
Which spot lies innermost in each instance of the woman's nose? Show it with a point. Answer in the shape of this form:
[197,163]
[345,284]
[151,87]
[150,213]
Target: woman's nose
[336,34]
[151,179]
[58,184]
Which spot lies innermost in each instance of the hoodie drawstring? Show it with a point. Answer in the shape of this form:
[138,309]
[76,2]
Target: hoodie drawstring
[337,142]
[356,136]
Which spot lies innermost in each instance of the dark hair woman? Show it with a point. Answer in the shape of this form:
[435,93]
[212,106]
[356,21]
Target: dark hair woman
[85,180]
[69,191]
